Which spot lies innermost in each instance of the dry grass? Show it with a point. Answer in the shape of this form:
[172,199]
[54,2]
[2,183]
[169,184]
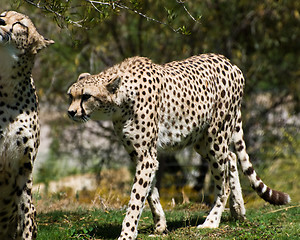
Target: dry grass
[111,192]
[84,191]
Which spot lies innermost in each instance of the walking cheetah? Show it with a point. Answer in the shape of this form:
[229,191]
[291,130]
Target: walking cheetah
[196,102]
[19,127]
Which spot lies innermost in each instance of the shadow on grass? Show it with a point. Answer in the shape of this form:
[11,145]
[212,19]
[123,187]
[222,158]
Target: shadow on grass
[191,222]
[107,231]
[83,225]
[112,231]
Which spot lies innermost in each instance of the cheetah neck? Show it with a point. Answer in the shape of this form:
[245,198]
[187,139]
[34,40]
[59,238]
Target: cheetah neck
[9,57]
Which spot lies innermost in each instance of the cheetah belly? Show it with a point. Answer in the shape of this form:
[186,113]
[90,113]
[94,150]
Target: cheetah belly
[176,137]
[179,127]
[170,138]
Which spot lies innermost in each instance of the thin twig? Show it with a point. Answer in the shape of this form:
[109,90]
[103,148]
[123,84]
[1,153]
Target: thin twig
[186,10]
[145,16]
[97,2]
[101,3]
[281,209]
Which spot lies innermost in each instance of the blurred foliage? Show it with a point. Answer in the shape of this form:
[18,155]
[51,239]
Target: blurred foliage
[261,37]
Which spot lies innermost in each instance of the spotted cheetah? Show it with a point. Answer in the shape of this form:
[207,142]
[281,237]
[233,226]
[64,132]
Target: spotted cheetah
[196,102]
[19,127]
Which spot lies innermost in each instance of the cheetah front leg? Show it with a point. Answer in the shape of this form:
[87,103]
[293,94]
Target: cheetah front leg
[236,203]
[157,210]
[145,172]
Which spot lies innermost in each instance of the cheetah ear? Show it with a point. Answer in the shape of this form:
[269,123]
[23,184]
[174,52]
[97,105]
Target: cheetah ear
[113,85]
[41,43]
[82,75]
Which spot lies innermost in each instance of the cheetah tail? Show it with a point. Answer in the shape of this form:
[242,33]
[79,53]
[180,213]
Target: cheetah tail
[266,193]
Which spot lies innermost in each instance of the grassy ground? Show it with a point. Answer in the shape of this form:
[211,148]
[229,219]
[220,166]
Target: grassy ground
[81,215]
[70,214]
[268,222]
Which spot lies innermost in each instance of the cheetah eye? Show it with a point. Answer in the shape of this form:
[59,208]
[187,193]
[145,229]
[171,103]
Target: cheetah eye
[3,14]
[86,97]
[2,22]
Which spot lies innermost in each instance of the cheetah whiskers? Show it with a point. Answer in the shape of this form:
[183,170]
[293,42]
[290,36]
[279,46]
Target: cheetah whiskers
[85,118]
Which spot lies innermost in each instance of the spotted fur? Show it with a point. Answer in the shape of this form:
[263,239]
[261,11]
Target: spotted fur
[19,127]
[196,102]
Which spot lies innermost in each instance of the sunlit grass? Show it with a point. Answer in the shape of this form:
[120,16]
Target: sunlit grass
[265,223]
[98,213]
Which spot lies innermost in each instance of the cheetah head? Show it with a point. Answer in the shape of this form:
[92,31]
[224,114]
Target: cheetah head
[17,31]
[93,97]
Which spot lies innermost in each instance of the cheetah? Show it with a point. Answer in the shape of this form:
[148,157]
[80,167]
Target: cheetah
[196,101]
[19,126]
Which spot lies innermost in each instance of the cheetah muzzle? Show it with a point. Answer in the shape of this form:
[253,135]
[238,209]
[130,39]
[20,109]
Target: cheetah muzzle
[195,102]
[19,126]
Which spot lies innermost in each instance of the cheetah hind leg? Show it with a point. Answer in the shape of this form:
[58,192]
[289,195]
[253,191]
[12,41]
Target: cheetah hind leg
[236,202]
[222,191]
[157,211]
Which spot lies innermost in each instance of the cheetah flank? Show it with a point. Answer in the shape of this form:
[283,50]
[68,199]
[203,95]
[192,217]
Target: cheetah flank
[19,127]
[196,102]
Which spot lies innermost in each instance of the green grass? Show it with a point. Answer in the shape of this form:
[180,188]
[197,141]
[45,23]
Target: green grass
[265,223]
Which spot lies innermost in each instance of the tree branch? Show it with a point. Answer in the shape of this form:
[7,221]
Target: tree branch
[114,5]
[147,18]
[45,8]
[121,6]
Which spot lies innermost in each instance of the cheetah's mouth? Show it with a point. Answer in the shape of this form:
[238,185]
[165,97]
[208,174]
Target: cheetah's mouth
[81,119]
[4,37]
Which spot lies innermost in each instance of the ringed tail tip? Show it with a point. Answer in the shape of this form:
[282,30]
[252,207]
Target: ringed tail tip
[274,197]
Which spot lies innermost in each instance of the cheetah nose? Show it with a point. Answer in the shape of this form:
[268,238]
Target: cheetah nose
[71,113]
[2,22]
